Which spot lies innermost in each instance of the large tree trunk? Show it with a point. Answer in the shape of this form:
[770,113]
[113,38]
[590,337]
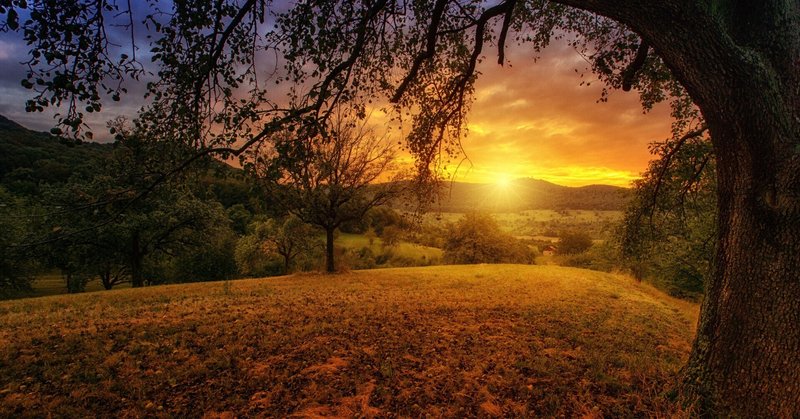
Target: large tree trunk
[746,358]
[329,265]
[740,62]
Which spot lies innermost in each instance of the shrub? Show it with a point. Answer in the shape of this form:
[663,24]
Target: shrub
[391,236]
[477,238]
[573,242]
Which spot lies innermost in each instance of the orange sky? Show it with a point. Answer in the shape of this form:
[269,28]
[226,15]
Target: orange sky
[533,119]
[530,119]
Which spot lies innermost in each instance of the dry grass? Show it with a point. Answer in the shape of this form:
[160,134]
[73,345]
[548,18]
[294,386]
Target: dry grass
[486,340]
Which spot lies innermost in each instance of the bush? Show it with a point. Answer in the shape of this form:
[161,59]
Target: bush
[213,261]
[573,242]
[602,257]
[477,238]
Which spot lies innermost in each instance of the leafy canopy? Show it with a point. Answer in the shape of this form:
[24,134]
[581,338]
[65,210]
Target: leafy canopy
[230,73]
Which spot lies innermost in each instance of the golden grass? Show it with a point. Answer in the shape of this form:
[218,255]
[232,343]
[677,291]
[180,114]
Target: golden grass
[485,340]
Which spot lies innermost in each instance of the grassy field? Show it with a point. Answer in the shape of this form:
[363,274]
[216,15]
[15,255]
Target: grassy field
[423,255]
[445,341]
[542,224]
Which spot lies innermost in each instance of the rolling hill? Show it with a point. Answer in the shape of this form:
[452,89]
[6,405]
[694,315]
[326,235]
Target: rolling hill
[29,158]
[529,194]
[446,341]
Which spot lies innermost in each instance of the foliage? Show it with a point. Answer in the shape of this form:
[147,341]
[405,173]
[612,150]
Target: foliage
[376,218]
[668,231]
[390,237]
[252,256]
[572,242]
[16,270]
[328,180]
[211,260]
[240,218]
[603,257]
[277,247]
[477,238]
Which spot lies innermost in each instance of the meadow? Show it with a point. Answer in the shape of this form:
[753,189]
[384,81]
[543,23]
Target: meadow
[417,253]
[542,225]
[443,341]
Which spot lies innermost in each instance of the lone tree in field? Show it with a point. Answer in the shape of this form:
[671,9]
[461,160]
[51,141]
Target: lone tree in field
[727,66]
[329,178]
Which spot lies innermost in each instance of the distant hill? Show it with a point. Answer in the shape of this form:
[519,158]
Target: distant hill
[30,158]
[529,194]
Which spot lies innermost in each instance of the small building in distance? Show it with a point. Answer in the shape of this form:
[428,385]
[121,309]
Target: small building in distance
[549,250]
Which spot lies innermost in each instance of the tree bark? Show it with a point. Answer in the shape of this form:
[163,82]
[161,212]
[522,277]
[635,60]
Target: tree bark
[105,277]
[329,264]
[746,357]
[740,62]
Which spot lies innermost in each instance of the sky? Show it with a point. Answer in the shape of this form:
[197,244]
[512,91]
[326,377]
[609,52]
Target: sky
[529,119]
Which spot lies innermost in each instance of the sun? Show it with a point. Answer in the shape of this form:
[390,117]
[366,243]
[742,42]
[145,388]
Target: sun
[503,181]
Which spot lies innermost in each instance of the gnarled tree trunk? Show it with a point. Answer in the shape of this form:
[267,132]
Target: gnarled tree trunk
[740,62]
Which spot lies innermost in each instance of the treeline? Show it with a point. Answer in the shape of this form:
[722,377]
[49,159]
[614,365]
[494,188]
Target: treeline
[108,212]
[120,213]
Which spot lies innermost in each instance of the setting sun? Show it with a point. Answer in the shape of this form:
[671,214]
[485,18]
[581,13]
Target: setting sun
[502,180]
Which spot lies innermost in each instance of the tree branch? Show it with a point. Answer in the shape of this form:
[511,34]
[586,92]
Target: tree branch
[501,42]
[629,76]
[430,50]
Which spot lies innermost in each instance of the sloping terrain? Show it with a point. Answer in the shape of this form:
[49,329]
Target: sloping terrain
[452,341]
[529,194]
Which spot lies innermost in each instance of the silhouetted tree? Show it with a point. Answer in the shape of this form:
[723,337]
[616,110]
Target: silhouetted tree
[327,179]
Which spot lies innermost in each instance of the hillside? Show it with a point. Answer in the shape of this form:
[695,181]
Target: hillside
[451,341]
[529,194]
[29,158]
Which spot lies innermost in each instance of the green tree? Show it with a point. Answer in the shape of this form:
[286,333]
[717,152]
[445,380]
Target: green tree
[212,259]
[291,239]
[17,269]
[735,60]
[287,240]
[668,231]
[391,236]
[573,242]
[477,238]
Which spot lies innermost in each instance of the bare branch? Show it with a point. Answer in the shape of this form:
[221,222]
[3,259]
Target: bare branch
[501,42]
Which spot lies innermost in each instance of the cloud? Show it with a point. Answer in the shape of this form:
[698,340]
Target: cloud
[6,50]
[533,119]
